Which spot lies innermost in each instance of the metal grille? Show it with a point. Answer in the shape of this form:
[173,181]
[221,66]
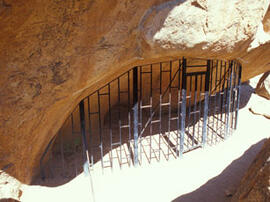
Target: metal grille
[150,113]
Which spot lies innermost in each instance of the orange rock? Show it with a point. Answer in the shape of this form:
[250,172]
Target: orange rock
[255,184]
[54,53]
[263,86]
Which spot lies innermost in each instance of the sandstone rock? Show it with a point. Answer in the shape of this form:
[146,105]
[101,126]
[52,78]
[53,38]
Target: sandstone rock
[263,86]
[260,104]
[54,53]
[255,184]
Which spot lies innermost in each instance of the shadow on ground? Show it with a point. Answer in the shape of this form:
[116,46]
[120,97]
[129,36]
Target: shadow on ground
[245,94]
[222,186]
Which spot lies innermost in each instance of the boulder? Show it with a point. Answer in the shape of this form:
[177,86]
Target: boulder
[54,53]
[255,185]
[259,103]
[263,86]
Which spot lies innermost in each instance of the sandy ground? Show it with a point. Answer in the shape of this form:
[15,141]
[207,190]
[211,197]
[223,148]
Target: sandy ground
[209,174]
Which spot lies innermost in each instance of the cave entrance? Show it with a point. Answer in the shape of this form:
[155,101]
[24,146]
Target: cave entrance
[150,113]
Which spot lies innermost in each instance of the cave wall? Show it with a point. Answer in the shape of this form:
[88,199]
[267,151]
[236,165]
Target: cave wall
[54,53]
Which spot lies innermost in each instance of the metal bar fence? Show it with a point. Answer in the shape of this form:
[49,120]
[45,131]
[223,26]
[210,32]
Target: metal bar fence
[153,112]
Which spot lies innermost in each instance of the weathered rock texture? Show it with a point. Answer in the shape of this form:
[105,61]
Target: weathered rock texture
[260,105]
[255,185]
[54,53]
[263,86]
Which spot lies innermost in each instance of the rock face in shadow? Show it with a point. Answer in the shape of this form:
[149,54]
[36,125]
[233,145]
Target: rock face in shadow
[256,182]
[54,53]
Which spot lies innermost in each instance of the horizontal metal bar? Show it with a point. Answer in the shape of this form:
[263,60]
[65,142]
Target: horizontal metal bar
[123,92]
[125,126]
[174,118]
[106,166]
[155,121]
[116,143]
[195,73]
[195,112]
[165,104]
[146,72]
[103,93]
[146,106]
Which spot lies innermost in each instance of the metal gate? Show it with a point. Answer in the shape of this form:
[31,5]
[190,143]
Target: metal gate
[150,113]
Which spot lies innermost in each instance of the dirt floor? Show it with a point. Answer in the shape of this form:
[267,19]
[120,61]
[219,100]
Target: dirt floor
[210,174]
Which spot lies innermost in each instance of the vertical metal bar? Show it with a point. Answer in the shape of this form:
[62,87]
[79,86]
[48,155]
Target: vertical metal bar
[219,122]
[195,107]
[233,96]
[129,119]
[89,130]
[238,94]
[226,98]
[228,109]
[140,114]
[100,131]
[183,108]
[151,108]
[82,125]
[119,120]
[222,96]
[135,114]
[210,102]
[215,115]
[110,124]
[170,99]
[160,110]
[232,99]
[200,107]
[86,165]
[179,104]
[90,133]
[206,100]
[189,107]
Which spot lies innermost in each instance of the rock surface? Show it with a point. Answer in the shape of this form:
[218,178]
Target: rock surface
[263,86]
[54,53]
[255,185]
[260,105]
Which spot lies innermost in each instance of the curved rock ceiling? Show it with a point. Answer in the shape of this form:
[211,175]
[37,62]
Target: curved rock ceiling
[53,53]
